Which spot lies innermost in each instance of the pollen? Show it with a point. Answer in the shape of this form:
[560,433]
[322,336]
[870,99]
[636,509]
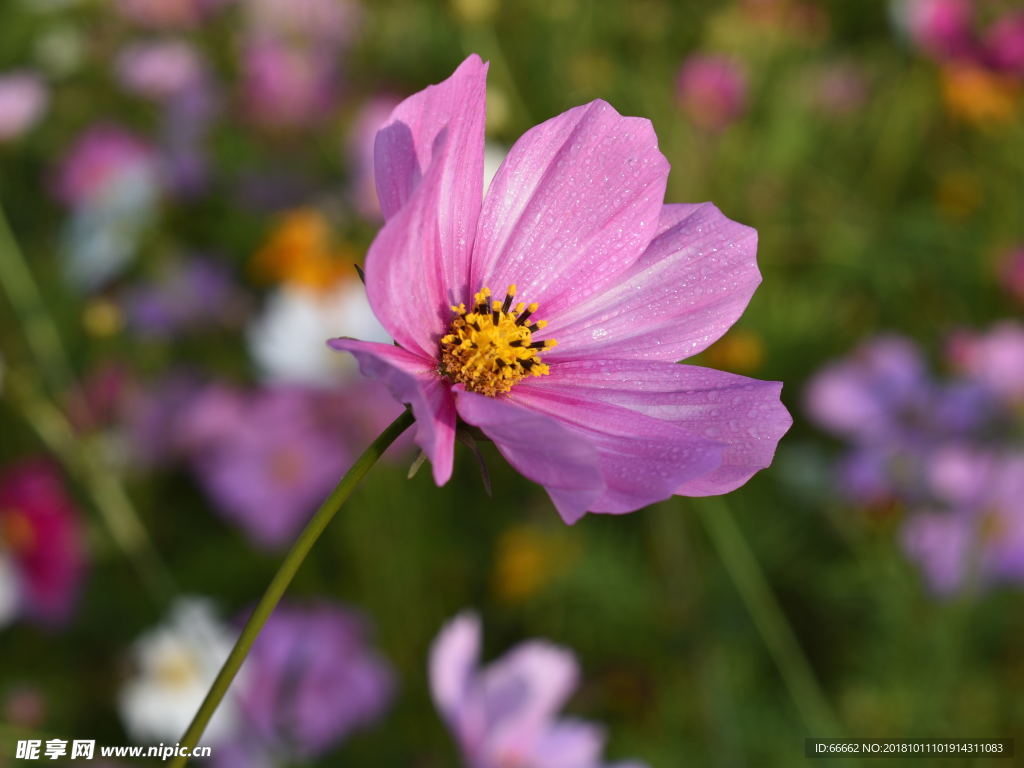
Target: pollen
[489,347]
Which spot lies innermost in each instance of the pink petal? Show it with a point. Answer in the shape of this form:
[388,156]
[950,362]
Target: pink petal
[690,285]
[405,266]
[575,202]
[643,459]
[523,691]
[414,380]
[744,414]
[540,448]
[453,664]
[406,147]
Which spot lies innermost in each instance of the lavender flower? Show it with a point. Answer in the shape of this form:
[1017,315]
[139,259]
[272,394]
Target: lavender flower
[311,680]
[507,713]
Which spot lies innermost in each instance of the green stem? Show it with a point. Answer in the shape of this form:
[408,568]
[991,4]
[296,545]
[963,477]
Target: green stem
[285,573]
[768,617]
[39,329]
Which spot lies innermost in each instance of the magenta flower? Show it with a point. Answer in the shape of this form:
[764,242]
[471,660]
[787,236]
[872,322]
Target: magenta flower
[506,714]
[41,540]
[579,249]
[712,90]
[943,29]
[1004,43]
[102,156]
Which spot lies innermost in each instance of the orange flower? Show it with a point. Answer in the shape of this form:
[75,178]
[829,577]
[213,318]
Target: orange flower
[300,251]
[978,95]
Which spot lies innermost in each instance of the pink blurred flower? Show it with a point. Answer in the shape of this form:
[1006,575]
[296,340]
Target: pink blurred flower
[1004,43]
[359,150]
[712,90]
[23,100]
[606,422]
[840,89]
[40,535]
[158,70]
[942,29]
[98,159]
[995,359]
[286,87]
[507,713]
[330,22]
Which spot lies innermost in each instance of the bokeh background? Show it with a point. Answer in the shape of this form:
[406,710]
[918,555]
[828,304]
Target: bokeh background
[188,186]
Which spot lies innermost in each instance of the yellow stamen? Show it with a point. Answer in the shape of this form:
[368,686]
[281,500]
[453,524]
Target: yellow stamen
[489,347]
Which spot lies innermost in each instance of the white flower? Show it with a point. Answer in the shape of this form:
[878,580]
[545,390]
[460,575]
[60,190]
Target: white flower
[289,340]
[9,589]
[176,664]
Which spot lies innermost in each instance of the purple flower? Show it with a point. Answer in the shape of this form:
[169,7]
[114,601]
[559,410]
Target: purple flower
[310,680]
[868,395]
[573,224]
[982,540]
[712,90]
[264,458]
[507,713]
[192,295]
[42,546]
[23,100]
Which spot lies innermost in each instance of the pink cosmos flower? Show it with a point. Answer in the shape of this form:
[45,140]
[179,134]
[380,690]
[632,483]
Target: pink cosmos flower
[712,90]
[578,248]
[505,715]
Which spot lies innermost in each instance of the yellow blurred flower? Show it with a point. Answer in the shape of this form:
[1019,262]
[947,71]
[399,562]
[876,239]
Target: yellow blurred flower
[739,351]
[978,95]
[528,558]
[300,251]
[101,317]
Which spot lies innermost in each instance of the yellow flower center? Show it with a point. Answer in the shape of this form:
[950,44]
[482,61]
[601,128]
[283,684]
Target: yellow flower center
[488,348]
